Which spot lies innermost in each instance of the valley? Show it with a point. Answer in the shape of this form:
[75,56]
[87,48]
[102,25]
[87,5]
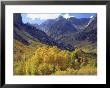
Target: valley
[56,47]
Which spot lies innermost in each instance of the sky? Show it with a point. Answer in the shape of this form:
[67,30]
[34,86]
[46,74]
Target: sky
[34,18]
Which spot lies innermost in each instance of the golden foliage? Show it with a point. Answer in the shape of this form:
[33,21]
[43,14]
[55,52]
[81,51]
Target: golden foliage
[45,69]
[52,55]
[50,60]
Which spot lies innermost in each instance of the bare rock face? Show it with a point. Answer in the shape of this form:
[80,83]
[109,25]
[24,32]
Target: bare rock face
[17,19]
[18,29]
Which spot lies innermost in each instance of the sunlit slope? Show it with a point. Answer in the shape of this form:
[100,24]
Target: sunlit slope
[41,59]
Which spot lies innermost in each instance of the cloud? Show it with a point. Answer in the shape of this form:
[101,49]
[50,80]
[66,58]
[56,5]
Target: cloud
[91,16]
[67,16]
[47,16]
[42,16]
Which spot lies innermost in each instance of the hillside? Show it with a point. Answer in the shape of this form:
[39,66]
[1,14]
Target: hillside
[40,59]
[23,33]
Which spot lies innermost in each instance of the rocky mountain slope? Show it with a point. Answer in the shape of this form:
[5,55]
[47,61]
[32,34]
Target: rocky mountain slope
[26,33]
[71,30]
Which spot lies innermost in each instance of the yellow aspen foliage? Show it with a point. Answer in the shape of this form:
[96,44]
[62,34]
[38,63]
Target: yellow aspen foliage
[45,69]
[50,60]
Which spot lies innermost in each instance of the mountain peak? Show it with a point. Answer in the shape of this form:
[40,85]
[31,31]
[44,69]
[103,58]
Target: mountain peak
[60,18]
[17,19]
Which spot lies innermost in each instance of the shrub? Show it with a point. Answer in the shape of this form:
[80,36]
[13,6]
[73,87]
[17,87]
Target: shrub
[52,55]
[31,66]
[92,63]
[19,69]
[45,69]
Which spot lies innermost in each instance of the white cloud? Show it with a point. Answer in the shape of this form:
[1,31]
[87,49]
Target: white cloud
[42,16]
[67,16]
[91,16]
[47,16]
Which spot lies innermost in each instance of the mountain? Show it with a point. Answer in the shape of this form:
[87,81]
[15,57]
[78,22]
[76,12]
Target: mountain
[71,30]
[79,23]
[58,26]
[89,33]
[72,24]
[26,33]
[19,34]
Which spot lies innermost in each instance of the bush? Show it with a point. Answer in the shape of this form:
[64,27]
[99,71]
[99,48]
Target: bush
[54,56]
[45,69]
[19,68]
[31,66]
[92,63]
